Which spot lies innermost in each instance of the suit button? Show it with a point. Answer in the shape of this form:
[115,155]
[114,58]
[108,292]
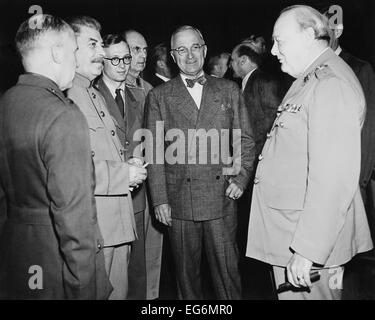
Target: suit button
[93,95]
[217,177]
[112,132]
[102,114]
[260,158]
[121,152]
[93,153]
[256,181]
[99,246]
[281,124]
[188,180]
[269,136]
[127,143]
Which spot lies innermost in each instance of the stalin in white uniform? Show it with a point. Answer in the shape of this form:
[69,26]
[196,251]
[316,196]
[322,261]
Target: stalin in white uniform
[114,177]
[307,212]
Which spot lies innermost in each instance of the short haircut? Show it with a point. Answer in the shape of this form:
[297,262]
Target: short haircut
[84,21]
[245,49]
[308,17]
[113,38]
[184,28]
[159,52]
[255,42]
[27,37]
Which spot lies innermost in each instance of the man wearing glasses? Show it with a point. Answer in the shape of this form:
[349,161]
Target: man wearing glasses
[114,177]
[197,199]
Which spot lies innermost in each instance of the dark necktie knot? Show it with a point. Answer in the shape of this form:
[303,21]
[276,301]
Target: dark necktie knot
[191,82]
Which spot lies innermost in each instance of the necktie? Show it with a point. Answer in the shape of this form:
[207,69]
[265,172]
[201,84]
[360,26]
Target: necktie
[119,101]
[191,82]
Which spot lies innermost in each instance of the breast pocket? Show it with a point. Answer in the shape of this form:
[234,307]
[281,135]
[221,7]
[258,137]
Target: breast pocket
[98,137]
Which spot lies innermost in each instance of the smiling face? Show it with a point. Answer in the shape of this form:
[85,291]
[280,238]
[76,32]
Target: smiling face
[116,73]
[90,53]
[190,64]
[290,45]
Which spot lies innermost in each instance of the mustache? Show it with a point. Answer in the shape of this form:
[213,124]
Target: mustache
[99,59]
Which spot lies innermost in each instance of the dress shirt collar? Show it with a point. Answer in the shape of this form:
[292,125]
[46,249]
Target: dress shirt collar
[244,80]
[112,85]
[338,50]
[165,79]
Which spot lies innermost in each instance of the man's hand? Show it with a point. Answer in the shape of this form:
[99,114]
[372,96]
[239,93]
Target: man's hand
[298,271]
[233,191]
[136,175]
[163,214]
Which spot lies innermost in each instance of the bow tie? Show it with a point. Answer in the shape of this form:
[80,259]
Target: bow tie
[191,82]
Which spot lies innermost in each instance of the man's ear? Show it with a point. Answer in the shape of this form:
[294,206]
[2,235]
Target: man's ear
[204,51]
[174,60]
[339,29]
[57,53]
[309,33]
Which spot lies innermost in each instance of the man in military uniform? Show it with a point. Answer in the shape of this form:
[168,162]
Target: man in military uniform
[307,211]
[114,177]
[49,238]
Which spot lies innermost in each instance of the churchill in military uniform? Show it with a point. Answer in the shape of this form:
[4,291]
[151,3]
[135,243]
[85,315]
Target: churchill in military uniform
[307,212]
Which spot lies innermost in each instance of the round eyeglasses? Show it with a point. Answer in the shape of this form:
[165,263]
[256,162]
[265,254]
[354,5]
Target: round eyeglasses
[183,51]
[115,61]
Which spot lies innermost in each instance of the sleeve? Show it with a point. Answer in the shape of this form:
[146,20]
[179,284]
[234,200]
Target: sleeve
[67,156]
[366,77]
[154,149]
[333,168]
[111,178]
[243,157]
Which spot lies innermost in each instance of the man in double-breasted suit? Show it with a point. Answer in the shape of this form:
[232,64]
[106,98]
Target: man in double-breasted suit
[50,243]
[192,188]
[307,211]
[113,176]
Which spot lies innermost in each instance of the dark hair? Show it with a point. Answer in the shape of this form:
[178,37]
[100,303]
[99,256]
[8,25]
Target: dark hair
[84,21]
[112,38]
[248,51]
[32,29]
[159,52]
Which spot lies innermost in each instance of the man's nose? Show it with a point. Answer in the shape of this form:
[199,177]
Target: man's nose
[274,49]
[100,51]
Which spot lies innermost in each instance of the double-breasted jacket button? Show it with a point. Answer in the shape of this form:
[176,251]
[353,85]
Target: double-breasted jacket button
[126,143]
[113,132]
[93,95]
[260,158]
[102,114]
[217,177]
[281,124]
[188,180]
[256,181]
[93,153]
[269,135]
[99,246]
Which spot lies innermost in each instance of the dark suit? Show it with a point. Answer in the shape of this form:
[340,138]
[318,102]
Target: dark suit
[126,126]
[46,174]
[365,74]
[154,80]
[196,192]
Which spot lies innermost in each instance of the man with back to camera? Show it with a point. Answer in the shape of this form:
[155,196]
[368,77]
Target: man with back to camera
[50,244]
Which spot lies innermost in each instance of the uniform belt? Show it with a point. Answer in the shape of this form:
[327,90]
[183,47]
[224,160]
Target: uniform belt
[25,215]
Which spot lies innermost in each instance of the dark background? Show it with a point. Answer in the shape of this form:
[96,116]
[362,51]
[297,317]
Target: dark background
[223,23]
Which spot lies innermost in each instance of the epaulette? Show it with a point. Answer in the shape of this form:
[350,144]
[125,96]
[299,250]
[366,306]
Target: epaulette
[319,72]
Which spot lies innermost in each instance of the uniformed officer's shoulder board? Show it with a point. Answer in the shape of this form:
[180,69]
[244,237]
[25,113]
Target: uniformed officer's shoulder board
[320,72]
[289,107]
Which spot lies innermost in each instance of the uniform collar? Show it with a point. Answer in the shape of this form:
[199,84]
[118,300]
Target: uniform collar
[38,80]
[322,57]
[81,81]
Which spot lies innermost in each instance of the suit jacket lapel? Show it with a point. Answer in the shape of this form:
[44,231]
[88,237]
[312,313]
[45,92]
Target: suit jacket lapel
[210,104]
[111,104]
[183,102]
[132,109]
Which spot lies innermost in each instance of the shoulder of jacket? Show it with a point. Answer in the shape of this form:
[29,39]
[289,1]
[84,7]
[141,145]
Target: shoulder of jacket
[321,72]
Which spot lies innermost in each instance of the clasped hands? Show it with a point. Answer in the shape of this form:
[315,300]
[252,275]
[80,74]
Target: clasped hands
[298,271]
[137,172]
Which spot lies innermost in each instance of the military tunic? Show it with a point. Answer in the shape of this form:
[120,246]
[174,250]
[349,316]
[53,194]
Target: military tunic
[306,195]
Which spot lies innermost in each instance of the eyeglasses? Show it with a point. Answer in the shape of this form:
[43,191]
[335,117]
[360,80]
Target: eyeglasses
[137,50]
[183,51]
[115,61]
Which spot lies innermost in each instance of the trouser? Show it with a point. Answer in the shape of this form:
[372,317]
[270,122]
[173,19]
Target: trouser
[219,241]
[137,263]
[328,287]
[116,260]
